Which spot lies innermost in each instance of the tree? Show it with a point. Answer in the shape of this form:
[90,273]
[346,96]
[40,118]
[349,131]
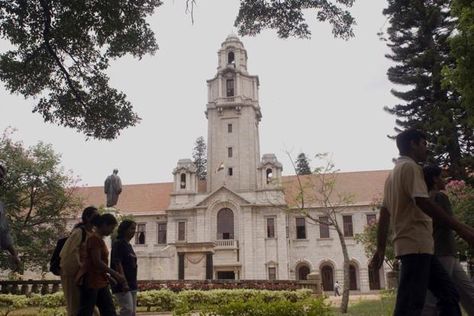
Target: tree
[459,76]
[62,49]
[419,33]
[200,158]
[287,17]
[317,198]
[302,165]
[38,197]
[368,238]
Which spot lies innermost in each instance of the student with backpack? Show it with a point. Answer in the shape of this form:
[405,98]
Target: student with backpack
[70,259]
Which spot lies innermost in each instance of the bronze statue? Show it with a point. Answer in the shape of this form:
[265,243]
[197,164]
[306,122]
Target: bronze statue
[113,188]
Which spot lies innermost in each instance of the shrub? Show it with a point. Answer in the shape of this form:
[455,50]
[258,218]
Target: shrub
[162,300]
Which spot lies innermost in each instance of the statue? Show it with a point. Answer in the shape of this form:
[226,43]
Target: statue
[113,188]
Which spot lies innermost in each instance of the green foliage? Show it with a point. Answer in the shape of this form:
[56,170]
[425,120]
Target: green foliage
[419,36]
[200,158]
[47,301]
[461,196]
[255,307]
[460,75]
[302,164]
[368,238]
[287,17]
[9,303]
[38,198]
[62,49]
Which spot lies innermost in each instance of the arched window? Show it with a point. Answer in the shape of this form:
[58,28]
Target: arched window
[225,224]
[183,181]
[231,58]
[269,173]
[327,277]
[303,272]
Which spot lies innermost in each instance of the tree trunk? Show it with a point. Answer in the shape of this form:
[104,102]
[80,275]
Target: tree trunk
[346,284]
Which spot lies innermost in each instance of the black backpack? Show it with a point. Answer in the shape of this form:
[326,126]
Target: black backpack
[55,262]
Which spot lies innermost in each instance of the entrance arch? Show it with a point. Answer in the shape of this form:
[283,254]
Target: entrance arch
[225,224]
[302,272]
[327,277]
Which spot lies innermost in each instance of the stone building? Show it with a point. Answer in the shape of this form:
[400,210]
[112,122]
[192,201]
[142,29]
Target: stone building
[241,222]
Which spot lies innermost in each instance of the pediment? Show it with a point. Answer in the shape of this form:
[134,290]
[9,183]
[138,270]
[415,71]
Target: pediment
[223,194]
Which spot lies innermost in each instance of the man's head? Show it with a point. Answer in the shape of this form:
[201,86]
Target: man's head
[412,143]
[115,171]
[3,171]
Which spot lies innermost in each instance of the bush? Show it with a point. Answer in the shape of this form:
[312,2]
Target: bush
[47,301]
[162,300]
[310,307]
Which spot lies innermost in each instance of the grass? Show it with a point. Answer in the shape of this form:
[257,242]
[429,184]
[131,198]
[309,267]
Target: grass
[381,307]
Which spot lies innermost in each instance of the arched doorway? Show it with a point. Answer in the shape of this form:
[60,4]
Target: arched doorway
[353,277]
[327,277]
[374,279]
[302,272]
[225,224]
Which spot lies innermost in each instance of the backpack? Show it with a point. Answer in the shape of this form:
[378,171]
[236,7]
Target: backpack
[55,262]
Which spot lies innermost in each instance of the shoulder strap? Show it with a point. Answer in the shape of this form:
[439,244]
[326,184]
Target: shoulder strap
[84,233]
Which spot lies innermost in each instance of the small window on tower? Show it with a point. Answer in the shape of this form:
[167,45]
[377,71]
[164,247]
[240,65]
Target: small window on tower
[229,152]
[230,171]
[269,175]
[183,181]
[230,87]
[229,128]
[231,58]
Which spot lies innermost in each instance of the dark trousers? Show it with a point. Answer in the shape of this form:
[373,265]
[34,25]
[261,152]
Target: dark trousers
[418,273]
[92,297]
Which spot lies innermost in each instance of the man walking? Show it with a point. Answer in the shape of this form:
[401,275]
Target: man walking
[408,207]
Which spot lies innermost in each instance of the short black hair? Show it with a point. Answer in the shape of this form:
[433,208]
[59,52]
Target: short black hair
[123,227]
[431,172]
[87,212]
[406,137]
[104,219]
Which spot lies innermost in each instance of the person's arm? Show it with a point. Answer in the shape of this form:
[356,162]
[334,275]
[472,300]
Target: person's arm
[96,259]
[382,233]
[116,258]
[438,214]
[6,242]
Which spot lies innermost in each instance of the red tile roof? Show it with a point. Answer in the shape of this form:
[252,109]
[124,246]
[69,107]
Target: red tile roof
[154,198]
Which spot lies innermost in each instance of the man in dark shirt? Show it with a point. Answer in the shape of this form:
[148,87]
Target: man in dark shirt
[445,246]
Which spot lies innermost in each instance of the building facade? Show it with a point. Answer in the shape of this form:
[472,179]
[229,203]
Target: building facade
[242,222]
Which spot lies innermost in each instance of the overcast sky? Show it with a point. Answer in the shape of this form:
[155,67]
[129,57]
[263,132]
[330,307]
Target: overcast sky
[317,95]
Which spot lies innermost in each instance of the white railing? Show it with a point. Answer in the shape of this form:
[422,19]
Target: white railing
[226,243]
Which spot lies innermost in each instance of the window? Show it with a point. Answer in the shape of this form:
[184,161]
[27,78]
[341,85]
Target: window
[270,227]
[225,224]
[269,173]
[229,152]
[231,58]
[272,275]
[347,221]
[230,171]
[323,227]
[183,181]
[229,128]
[181,231]
[303,272]
[140,234]
[371,219]
[162,233]
[300,228]
[230,87]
